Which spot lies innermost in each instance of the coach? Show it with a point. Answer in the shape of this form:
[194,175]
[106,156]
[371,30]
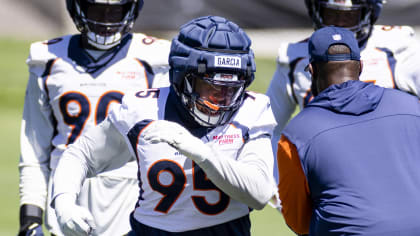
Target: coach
[349,163]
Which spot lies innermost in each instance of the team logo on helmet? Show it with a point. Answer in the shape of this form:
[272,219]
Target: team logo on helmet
[337,37]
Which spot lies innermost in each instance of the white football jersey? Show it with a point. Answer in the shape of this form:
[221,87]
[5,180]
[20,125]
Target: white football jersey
[80,92]
[390,59]
[69,92]
[174,190]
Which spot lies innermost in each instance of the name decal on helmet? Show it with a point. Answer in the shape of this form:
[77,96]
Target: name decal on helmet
[347,3]
[227,61]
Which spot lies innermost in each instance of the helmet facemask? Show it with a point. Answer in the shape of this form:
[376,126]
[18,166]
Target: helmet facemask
[355,15]
[212,98]
[105,24]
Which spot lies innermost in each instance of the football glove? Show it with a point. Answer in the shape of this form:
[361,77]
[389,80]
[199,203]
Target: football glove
[30,221]
[32,229]
[178,137]
[74,220]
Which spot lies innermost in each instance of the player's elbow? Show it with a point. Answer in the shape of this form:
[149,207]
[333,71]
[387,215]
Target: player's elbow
[262,197]
[258,205]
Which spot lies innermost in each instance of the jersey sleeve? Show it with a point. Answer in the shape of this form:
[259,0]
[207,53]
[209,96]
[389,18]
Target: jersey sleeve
[37,129]
[122,117]
[136,107]
[100,149]
[405,49]
[282,103]
[133,108]
[290,84]
[154,53]
[249,177]
[153,50]
[407,71]
[263,122]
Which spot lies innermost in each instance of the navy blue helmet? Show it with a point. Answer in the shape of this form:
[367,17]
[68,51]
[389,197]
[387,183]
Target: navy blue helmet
[105,22]
[358,16]
[211,64]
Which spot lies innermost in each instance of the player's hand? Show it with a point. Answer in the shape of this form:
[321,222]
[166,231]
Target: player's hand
[176,136]
[74,220]
[31,229]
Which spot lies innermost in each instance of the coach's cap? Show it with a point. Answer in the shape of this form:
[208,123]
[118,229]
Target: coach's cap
[322,39]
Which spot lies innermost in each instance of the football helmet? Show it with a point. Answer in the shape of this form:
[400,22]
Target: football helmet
[105,22]
[356,15]
[211,64]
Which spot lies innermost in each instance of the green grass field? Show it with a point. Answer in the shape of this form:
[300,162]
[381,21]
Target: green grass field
[13,79]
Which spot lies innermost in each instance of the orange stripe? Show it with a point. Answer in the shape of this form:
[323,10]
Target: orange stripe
[293,188]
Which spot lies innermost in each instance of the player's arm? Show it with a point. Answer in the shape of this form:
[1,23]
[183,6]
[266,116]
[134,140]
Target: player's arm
[100,149]
[293,188]
[248,178]
[282,102]
[404,47]
[407,71]
[93,153]
[35,146]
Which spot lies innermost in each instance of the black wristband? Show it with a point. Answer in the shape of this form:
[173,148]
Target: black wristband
[30,214]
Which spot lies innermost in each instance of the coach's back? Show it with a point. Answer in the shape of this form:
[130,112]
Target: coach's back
[349,162]
[360,151]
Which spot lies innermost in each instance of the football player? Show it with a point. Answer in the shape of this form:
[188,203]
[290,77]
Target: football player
[390,56]
[74,80]
[202,144]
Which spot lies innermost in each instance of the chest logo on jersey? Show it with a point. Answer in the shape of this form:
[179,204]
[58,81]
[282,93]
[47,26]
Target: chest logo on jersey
[128,75]
[226,138]
[225,61]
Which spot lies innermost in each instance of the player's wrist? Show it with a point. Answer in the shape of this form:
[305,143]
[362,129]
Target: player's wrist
[64,199]
[30,214]
[30,217]
[64,204]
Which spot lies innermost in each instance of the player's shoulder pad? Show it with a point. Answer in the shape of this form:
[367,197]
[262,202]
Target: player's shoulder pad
[255,114]
[396,31]
[137,106]
[153,50]
[43,51]
[288,52]
[397,39]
